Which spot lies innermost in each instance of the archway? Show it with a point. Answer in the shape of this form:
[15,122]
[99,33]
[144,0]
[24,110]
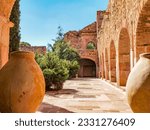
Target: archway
[124,57]
[143,31]
[106,65]
[87,68]
[112,62]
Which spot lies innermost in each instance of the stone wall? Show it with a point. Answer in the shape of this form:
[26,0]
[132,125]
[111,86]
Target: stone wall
[80,39]
[35,49]
[124,35]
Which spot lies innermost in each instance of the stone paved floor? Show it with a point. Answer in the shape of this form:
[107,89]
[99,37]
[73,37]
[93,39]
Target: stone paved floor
[85,96]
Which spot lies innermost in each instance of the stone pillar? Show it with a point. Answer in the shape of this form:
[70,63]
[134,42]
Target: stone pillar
[4,40]
[103,67]
[132,46]
[97,70]
[131,59]
[117,68]
[99,20]
[135,54]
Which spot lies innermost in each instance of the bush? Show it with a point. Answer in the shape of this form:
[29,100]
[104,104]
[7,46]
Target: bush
[65,52]
[54,69]
[73,68]
[59,64]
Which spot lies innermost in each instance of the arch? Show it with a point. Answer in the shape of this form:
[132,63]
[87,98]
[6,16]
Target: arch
[124,57]
[6,7]
[87,68]
[88,57]
[143,31]
[112,62]
[106,65]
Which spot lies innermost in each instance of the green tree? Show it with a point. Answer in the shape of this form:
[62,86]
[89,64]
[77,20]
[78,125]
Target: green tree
[60,35]
[60,62]
[64,51]
[25,44]
[15,31]
[54,69]
[73,68]
[70,54]
[57,40]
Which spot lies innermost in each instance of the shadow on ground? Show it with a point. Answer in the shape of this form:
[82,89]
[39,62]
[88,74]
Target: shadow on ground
[84,79]
[62,92]
[48,108]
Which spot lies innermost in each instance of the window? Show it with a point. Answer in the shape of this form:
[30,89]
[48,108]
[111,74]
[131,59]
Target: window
[91,46]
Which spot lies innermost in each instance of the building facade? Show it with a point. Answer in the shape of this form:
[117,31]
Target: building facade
[124,35]
[85,42]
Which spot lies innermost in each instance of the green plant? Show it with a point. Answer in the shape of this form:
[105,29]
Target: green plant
[65,52]
[54,69]
[15,31]
[59,64]
[73,68]
[25,44]
[91,46]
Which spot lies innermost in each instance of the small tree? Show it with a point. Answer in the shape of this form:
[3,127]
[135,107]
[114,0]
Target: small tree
[54,69]
[60,35]
[15,31]
[65,52]
[73,68]
[59,64]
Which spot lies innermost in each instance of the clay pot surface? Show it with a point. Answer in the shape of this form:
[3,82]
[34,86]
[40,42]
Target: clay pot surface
[22,84]
[138,85]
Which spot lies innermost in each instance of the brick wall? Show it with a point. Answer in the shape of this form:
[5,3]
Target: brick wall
[35,49]
[80,39]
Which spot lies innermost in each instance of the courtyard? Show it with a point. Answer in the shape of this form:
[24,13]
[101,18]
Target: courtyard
[86,95]
[107,50]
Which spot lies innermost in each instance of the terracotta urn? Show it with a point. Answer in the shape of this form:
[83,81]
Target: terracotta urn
[22,84]
[138,85]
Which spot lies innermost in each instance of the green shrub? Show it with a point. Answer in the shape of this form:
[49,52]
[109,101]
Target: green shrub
[64,51]
[73,68]
[54,69]
[59,64]
[91,46]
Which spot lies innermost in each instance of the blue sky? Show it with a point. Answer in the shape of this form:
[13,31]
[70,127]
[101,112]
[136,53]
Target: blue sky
[40,18]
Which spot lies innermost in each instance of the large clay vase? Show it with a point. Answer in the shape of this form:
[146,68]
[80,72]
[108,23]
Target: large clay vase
[138,85]
[22,85]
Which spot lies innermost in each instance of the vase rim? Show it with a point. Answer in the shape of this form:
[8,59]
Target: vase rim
[23,53]
[145,55]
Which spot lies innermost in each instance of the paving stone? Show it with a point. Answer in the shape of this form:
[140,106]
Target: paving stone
[85,96]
